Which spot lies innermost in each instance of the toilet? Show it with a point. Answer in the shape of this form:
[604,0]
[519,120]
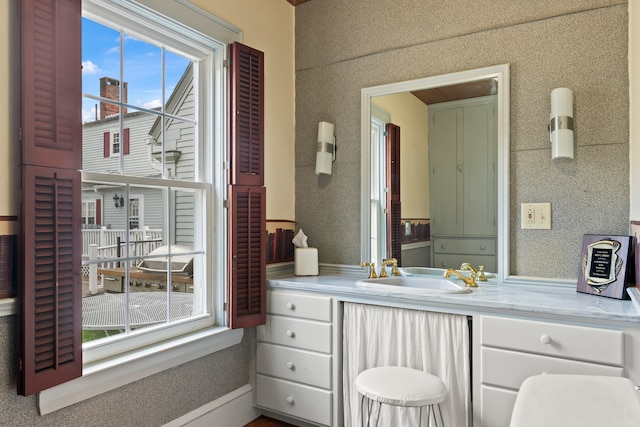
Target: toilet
[576,400]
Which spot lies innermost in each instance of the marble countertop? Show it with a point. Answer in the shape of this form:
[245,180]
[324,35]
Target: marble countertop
[542,301]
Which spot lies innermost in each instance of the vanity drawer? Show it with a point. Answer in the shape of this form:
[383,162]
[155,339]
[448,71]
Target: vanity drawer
[455,261]
[294,399]
[509,369]
[304,334]
[552,339]
[304,306]
[497,406]
[464,246]
[295,365]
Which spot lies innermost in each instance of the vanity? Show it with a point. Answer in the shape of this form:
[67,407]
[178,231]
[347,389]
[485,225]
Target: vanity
[516,330]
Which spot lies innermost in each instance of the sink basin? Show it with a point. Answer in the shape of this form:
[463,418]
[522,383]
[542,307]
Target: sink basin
[414,285]
[421,271]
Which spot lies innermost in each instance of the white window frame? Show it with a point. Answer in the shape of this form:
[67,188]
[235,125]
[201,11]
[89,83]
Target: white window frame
[112,143]
[87,207]
[109,364]
[379,119]
[140,217]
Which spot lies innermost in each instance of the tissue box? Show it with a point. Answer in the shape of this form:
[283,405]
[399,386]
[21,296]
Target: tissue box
[306,262]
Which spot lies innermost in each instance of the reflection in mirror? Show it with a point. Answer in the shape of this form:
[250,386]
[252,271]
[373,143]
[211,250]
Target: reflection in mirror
[434,161]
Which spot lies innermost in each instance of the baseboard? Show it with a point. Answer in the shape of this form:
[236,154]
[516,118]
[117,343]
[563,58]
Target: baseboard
[234,409]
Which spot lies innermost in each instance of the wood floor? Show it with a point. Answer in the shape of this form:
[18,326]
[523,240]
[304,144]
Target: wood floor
[263,421]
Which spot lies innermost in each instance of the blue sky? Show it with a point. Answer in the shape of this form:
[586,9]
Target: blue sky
[142,67]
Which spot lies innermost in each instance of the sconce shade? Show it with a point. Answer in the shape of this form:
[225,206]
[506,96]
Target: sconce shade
[561,123]
[326,151]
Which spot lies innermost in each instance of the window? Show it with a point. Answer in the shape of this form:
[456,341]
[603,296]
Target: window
[115,142]
[183,130]
[134,213]
[148,86]
[89,213]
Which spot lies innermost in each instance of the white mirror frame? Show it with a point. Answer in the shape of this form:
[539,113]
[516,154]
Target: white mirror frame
[499,72]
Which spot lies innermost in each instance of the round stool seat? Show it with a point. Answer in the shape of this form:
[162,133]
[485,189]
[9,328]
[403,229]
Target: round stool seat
[400,386]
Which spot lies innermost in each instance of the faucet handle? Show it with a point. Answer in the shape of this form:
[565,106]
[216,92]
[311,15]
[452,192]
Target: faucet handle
[481,276]
[394,265]
[372,273]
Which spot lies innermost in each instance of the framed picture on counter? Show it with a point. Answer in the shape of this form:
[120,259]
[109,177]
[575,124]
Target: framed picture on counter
[607,265]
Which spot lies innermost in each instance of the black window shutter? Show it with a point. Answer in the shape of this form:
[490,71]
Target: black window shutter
[394,218]
[247,197]
[50,290]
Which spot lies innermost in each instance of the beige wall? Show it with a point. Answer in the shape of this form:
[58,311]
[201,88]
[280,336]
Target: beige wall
[412,116]
[342,47]
[9,117]
[160,398]
[268,25]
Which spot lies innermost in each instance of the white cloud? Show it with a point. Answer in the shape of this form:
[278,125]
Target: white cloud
[89,115]
[155,103]
[89,67]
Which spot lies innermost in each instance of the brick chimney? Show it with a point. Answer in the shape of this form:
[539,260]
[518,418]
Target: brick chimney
[110,88]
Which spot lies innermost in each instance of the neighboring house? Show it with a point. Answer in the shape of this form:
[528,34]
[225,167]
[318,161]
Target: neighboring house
[140,143]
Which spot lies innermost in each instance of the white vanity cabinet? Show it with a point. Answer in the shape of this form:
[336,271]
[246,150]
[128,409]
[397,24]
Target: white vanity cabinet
[507,350]
[298,357]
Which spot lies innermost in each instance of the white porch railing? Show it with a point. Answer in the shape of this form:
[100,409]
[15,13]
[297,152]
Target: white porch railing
[102,237]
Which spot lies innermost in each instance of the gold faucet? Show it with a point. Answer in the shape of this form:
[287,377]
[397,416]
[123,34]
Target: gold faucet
[393,263]
[476,273]
[469,281]
[372,273]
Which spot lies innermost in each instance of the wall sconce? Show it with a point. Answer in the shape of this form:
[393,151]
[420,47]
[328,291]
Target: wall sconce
[561,123]
[326,154]
[118,201]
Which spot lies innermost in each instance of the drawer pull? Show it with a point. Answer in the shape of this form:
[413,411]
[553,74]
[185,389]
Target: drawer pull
[290,333]
[545,339]
[291,366]
[483,247]
[289,400]
[290,306]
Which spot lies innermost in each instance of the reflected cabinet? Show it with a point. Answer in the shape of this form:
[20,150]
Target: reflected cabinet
[463,189]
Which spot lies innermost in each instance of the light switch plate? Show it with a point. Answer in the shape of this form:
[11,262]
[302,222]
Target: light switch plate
[535,216]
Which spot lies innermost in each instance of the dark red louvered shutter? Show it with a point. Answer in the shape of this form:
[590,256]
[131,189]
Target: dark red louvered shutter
[394,217]
[50,290]
[125,141]
[247,249]
[106,144]
[247,115]
[247,197]
[98,211]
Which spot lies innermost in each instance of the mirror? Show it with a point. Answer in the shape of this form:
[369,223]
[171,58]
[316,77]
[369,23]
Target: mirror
[373,168]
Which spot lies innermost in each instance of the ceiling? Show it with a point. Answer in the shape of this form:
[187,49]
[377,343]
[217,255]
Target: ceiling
[472,89]
[297,2]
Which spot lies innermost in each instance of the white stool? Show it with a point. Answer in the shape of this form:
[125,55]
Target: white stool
[576,400]
[398,386]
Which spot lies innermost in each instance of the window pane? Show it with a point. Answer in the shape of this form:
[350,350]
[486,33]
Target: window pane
[161,256]
[144,261]
[142,73]
[175,71]
[100,70]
